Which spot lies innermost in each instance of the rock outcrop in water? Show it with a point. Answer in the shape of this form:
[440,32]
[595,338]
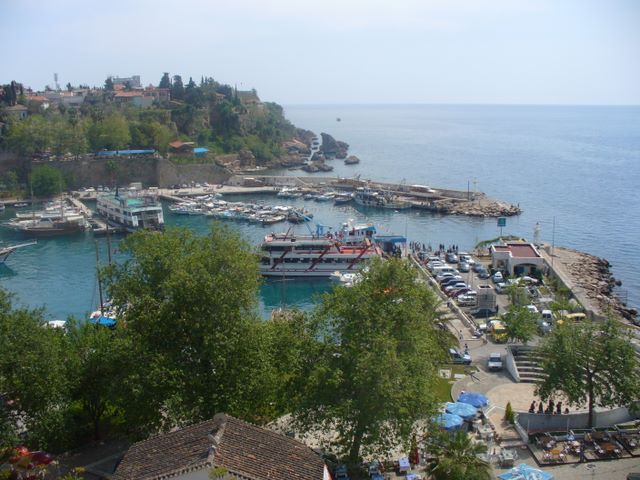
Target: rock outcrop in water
[331,148]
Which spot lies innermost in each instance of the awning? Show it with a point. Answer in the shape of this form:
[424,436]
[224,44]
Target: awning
[525,472]
[465,410]
[474,398]
[448,421]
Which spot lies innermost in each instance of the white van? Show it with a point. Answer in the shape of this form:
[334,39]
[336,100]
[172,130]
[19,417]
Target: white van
[443,269]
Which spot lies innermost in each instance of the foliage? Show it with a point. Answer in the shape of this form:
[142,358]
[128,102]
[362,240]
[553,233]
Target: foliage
[189,309]
[217,472]
[520,323]
[46,181]
[108,84]
[165,81]
[372,378]
[177,88]
[457,456]
[110,133]
[589,363]
[509,415]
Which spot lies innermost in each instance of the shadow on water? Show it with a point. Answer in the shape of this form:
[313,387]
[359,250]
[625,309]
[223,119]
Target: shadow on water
[6,271]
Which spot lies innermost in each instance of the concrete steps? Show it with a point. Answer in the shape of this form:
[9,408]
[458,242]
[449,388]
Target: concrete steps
[527,362]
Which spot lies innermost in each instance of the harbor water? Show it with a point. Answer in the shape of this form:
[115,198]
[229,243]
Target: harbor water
[574,170]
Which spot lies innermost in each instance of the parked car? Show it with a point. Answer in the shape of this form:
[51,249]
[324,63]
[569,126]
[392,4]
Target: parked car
[460,291]
[458,357]
[341,473]
[467,300]
[483,312]
[497,277]
[483,272]
[455,286]
[449,280]
[451,257]
[501,287]
[494,363]
[464,267]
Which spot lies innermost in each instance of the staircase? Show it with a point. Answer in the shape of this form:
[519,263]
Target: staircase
[528,364]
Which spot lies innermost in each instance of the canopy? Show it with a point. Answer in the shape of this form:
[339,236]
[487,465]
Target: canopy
[525,472]
[474,398]
[404,464]
[104,321]
[448,421]
[465,410]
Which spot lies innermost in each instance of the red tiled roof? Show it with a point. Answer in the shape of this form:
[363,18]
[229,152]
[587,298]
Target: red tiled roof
[128,94]
[245,450]
[37,98]
[522,250]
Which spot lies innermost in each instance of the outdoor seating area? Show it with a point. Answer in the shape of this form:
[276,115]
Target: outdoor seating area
[583,446]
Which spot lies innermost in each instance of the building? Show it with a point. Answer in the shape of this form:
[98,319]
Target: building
[133,81]
[182,147]
[516,258]
[135,98]
[236,449]
[19,111]
[40,100]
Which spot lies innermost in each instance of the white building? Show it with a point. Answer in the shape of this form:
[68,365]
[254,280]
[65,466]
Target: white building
[516,258]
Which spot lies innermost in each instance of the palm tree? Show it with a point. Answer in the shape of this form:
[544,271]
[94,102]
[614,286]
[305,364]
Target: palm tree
[457,457]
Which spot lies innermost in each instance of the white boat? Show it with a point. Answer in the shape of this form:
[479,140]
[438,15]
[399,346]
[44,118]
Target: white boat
[289,192]
[371,198]
[6,251]
[345,279]
[131,212]
[293,255]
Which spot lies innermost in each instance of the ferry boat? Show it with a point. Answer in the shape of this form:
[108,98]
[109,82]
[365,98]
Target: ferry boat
[131,212]
[372,198]
[291,255]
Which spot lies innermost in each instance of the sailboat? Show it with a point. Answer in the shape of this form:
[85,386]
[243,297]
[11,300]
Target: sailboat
[8,250]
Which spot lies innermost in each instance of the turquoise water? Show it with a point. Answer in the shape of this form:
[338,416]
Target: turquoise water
[579,165]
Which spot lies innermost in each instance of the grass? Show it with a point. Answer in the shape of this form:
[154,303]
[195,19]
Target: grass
[442,387]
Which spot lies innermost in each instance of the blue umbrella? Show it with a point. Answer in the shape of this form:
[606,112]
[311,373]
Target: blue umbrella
[525,472]
[448,421]
[104,321]
[465,410]
[474,398]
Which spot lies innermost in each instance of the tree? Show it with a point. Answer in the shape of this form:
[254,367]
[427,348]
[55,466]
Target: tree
[589,363]
[108,84]
[457,457]
[177,89]
[33,376]
[188,304]
[69,87]
[111,133]
[372,379]
[521,324]
[46,181]
[165,81]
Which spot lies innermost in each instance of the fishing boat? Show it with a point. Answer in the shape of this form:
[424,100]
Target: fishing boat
[289,192]
[20,205]
[342,198]
[131,212]
[372,198]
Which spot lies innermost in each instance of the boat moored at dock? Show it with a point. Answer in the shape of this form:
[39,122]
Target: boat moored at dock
[131,212]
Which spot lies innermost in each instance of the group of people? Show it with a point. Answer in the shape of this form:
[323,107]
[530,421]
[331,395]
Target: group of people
[419,247]
[552,408]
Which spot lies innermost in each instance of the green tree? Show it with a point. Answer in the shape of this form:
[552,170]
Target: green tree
[108,84]
[373,378]
[10,180]
[590,363]
[46,181]
[165,81]
[189,306]
[33,376]
[457,457]
[177,88]
[29,136]
[521,324]
[111,133]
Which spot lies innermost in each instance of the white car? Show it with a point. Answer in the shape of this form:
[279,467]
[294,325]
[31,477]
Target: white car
[497,277]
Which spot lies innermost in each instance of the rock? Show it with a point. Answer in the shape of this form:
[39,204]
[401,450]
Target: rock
[351,160]
[332,148]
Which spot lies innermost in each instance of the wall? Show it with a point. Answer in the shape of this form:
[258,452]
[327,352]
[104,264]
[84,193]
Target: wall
[602,418]
[151,171]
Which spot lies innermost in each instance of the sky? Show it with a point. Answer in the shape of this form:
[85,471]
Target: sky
[338,51]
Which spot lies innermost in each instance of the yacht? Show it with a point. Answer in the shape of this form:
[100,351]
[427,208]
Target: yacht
[371,198]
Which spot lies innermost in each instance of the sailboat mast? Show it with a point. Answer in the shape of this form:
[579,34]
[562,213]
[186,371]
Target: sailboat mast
[99,279]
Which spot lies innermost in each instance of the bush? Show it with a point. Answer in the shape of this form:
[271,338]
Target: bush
[509,415]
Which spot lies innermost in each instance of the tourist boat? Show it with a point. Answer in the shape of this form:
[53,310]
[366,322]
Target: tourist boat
[131,212]
[342,198]
[289,192]
[372,198]
[20,205]
[318,255]
[345,279]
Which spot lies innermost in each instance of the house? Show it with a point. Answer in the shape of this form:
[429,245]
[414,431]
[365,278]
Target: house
[133,81]
[40,100]
[137,99]
[236,449]
[516,258]
[180,146]
[18,110]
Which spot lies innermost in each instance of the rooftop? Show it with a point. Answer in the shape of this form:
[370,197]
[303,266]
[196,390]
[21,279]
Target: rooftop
[518,250]
[245,450]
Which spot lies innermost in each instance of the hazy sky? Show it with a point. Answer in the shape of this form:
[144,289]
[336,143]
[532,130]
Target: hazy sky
[338,51]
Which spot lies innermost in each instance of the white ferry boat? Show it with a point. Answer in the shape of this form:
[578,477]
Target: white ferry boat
[131,212]
[372,198]
[293,255]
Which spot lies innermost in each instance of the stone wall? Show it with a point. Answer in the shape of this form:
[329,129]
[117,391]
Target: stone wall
[547,422]
[150,171]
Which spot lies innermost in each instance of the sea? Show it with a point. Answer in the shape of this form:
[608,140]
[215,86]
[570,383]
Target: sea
[574,170]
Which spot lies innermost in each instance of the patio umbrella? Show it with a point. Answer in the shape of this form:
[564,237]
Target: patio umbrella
[104,321]
[525,472]
[465,410]
[448,421]
[474,398]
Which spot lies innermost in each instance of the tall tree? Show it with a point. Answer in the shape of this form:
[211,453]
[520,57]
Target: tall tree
[457,457]
[590,363]
[108,84]
[177,88]
[189,306]
[111,132]
[165,81]
[521,324]
[373,378]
